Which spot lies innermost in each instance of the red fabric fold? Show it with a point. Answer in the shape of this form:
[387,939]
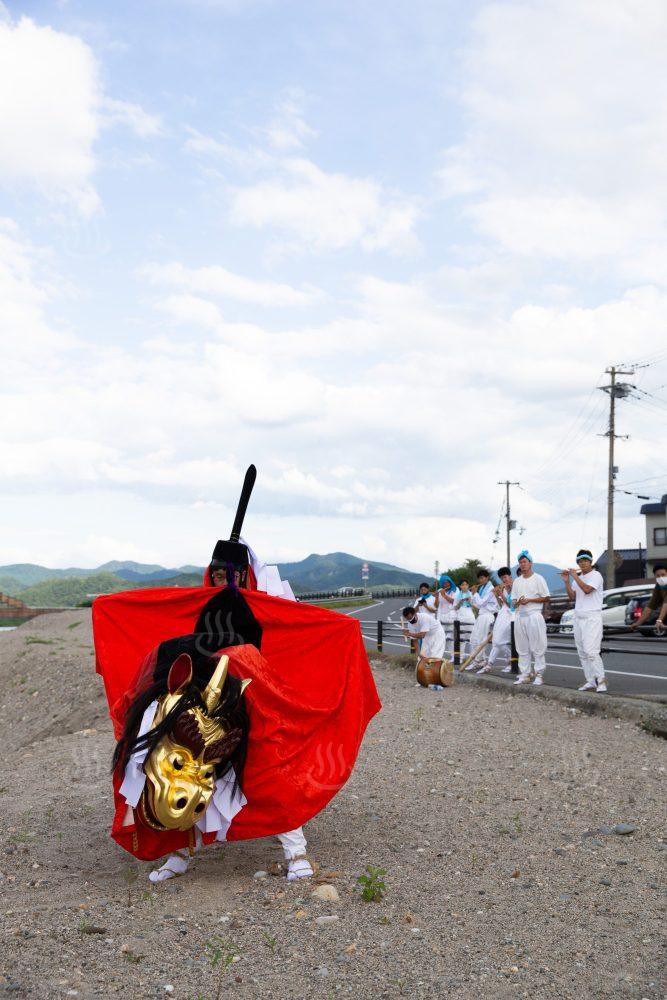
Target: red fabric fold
[312,696]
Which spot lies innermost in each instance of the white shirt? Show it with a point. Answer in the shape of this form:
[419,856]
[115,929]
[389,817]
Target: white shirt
[585,603]
[446,609]
[425,622]
[430,601]
[485,600]
[529,586]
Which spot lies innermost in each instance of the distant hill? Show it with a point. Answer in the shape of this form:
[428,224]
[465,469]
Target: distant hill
[551,574]
[43,587]
[67,592]
[340,569]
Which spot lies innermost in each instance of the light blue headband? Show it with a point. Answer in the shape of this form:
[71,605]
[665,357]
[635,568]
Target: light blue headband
[584,554]
[524,554]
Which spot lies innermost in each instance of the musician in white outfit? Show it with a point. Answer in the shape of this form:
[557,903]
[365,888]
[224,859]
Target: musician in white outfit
[425,626]
[585,586]
[529,595]
[501,641]
[465,614]
[486,603]
[445,600]
[426,600]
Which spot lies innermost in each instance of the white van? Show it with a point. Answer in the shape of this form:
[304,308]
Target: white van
[614,603]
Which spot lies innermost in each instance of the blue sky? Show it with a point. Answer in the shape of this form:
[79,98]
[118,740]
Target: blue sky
[385,251]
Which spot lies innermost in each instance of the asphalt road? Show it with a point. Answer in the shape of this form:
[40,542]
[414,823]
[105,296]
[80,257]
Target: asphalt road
[633,673]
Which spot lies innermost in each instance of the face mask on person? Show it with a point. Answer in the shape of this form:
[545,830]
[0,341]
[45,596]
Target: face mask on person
[661,581]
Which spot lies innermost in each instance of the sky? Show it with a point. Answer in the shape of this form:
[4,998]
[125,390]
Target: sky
[383,250]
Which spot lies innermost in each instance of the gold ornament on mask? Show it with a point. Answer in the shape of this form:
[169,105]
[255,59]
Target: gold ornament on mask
[180,770]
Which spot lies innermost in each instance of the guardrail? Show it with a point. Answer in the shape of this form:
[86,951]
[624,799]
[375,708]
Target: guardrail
[382,631]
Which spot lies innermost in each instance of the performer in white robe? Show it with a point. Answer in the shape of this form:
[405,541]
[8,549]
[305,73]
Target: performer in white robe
[502,629]
[529,594]
[586,591]
[465,614]
[445,599]
[486,603]
[426,627]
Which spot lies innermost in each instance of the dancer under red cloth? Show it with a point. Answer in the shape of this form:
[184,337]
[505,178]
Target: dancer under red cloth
[202,756]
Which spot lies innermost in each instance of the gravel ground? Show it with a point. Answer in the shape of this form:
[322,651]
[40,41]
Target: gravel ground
[493,817]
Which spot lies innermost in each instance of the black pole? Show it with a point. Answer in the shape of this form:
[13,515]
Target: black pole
[514,656]
[379,635]
[457,643]
[248,483]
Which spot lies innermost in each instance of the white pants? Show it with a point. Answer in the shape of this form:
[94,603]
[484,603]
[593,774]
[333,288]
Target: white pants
[293,843]
[480,630]
[448,626]
[530,635]
[588,637]
[502,638]
[467,623]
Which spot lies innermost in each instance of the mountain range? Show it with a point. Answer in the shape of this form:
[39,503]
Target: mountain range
[40,586]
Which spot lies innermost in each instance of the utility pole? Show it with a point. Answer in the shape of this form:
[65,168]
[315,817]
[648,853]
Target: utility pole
[510,524]
[616,390]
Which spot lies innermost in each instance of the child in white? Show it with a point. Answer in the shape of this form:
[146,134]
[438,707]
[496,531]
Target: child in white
[529,594]
[484,599]
[502,630]
[465,614]
[445,599]
[586,592]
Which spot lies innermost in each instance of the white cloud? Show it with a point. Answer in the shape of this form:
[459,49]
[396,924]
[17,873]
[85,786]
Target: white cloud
[132,116]
[566,139]
[220,282]
[26,289]
[327,211]
[288,130]
[49,93]
[53,109]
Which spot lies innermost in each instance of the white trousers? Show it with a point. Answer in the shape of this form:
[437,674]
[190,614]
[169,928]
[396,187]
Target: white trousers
[467,622]
[293,843]
[502,638]
[530,636]
[480,630]
[588,637]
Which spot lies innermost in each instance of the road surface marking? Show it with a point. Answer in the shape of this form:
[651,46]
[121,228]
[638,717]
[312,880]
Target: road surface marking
[367,608]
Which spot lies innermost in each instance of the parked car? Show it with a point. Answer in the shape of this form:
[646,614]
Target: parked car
[614,606]
[634,610]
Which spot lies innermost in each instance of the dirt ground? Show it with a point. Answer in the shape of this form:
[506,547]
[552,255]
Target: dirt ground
[492,817]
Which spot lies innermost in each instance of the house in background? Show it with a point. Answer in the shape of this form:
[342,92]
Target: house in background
[656,533]
[629,566]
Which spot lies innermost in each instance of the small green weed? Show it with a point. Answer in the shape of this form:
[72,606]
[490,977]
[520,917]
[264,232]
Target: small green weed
[372,884]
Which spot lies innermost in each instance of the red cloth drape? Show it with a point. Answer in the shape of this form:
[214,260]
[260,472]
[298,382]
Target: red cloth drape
[312,696]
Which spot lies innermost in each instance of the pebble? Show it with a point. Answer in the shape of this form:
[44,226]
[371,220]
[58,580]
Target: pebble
[260,875]
[606,830]
[622,862]
[169,988]
[592,842]
[329,919]
[327,893]
[322,971]
[605,881]
[624,829]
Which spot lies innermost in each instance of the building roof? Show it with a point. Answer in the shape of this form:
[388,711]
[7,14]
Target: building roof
[654,508]
[626,554]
